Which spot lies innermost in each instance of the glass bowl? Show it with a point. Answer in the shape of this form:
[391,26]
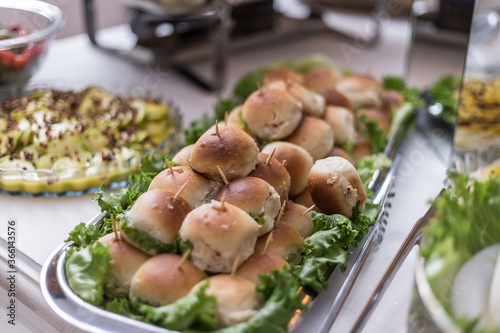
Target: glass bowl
[28,28]
[68,179]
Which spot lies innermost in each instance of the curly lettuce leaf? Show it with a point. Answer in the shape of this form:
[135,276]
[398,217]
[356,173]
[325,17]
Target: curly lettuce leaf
[374,134]
[443,92]
[83,235]
[124,307]
[248,84]
[367,167]
[411,95]
[465,222]
[86,269]
[195,311]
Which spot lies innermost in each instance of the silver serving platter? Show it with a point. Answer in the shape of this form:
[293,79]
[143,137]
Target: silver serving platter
[74,310]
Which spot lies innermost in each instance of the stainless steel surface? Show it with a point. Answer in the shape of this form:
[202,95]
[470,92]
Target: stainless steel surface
[410,241]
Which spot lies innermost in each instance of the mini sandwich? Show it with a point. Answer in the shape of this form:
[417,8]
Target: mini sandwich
[298,163]
[272,171]
[237,298]
[361,90]
[256,197]
[126,261]
[314,135]
[341,121]
[336,187]
[196,189]
[283,241]
[298,217]
[220,233]
[260,263]
[312,102]
[224,150]
[164,279]
[272,114]
[154,220]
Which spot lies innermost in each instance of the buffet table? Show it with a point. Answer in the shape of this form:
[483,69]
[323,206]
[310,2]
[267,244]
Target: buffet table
[43,223]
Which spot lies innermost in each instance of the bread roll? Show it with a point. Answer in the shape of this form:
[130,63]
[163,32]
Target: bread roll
[256,197]
[298,163]
[163,280]
[337,151]
[231,150]
[362,148]
[272,114]
[321,78]
[237,298]
[336,187]
[341,120]
[361,90]
[313,103]
[285,242]
[336,98]
[183,156]
[126,261]
[198,190]
[314,135]
[282,74]
[219,235]
[274,173]
[157,214]
[294,217]
[260,263]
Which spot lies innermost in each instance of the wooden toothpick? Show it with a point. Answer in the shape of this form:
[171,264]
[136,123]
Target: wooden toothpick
[115,230]
[184,258]
[225,118]
[268,241]
[261,92]
[223,176]
[270,157]
[282,210]
[180,189]
[216,128]
[286,192]
[223,201]
[308,210]
[236,263]
[169,165]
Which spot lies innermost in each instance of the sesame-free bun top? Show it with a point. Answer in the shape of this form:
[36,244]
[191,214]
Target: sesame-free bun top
[282,74]
[126,261]
[321,78]
[312,103]
[260,263]
[197,191]
[304,199]
[361,90]
[272,114]
[314,135]
[335,97]
[219,233]
[231,149]
[341,120]
[183,156]
[237,298]
[336,187]
[298,163]
[296,217]
[337,151]
[362,148]
[159,214]
[255,196]
[274,173]
[285,242]
[164,279]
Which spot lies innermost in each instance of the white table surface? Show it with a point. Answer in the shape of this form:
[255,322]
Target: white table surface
[44,223]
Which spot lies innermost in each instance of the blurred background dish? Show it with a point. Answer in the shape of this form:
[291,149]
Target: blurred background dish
[26,30]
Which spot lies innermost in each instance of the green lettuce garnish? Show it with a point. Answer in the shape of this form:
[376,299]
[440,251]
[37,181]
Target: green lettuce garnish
[374,134]
[145,241]
[411,95]
[86,269]
[443,92]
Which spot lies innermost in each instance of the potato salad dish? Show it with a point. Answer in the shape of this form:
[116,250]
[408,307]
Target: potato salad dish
[252,215]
